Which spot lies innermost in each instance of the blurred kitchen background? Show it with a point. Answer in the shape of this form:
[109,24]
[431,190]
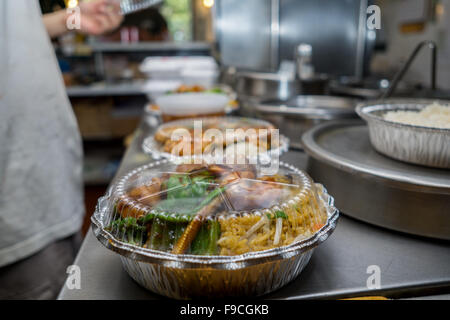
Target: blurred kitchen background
[277,55]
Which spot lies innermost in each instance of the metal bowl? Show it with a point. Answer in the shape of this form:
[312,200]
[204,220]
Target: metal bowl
[296,116]
[255,85]
[311,107]
[190,276]
[409,143]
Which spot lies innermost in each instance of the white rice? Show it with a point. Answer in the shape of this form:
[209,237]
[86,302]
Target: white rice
[433,115]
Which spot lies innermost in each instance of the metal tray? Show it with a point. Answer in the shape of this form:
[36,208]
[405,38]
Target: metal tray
[374,188]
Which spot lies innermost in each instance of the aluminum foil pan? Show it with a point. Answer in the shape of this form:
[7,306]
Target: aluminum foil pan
[409,143]
[191,276]
[156,150]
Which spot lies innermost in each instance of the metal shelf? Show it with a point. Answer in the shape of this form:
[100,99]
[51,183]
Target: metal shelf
[101,89]
[148,46]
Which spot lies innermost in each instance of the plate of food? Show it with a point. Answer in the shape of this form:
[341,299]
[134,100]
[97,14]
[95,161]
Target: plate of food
[193,101]
[208,230]
[236,138]
[411,130]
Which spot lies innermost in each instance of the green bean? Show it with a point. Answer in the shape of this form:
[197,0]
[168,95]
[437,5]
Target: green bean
[117,225]
[179,229]
[156,234]
[206,241]
[130,222]
[214,235]
[169,223]
[140,235]
[148,218]
[130,228]
[206,208]
[130,238]
[200,242]
[166,237]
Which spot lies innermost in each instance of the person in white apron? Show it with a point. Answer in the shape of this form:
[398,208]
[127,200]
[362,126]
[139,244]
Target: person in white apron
[41,199]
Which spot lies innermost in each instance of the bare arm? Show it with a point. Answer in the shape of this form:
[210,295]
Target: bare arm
[96,17]
[55,23]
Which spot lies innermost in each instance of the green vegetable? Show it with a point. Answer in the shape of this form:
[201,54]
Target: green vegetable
[200,242]
[167,222]
[214,235]
[179,229]
[215,90]
[167,236]
[210,197]
[186,208]
[277,214]
[206,241]
[179,206]
[130,229]
[156,234]
[181,186]
[174,187]
[148,218]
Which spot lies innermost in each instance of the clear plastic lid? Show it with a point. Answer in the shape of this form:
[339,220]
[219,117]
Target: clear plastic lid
[231,137]
[165,131]
[210,209]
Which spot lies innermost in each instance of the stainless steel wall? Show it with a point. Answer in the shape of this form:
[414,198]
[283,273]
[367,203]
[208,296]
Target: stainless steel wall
[243,31]
[258,34]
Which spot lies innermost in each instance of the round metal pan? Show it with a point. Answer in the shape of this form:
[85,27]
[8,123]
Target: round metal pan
[261,86]
[410,143]
[369,88]
[302,112]
[374,188]
[184,276]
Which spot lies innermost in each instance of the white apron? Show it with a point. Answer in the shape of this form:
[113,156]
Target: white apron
[41,196]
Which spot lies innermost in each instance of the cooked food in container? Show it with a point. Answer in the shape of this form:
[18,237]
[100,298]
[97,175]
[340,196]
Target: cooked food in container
[230,135]
[432,116]
[190,221]
[191,210]
[415,131]
[199,88]
[196,101]
[177,102]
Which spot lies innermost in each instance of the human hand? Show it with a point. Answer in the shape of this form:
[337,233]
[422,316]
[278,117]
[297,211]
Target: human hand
[99,16]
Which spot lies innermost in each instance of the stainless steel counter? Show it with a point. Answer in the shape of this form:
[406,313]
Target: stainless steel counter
[409,266]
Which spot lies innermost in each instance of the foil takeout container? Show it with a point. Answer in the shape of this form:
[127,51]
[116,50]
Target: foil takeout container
[243,139]
[207,230]
[405,142]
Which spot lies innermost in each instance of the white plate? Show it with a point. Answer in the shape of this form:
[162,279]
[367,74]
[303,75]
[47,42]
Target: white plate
[179,104]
